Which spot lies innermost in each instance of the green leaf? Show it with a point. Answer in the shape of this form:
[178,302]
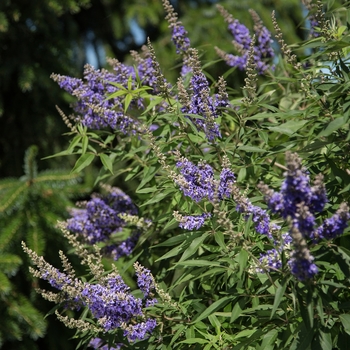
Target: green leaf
[345,320]
[84,144]
[237,310]
[212,308]
[192,249]
[198,263]
[242,260]
[147,190]
[173,252]
[251,149]
[325,340]
[220,240]
[82,162]
[107,162]
[268,340]
[289,128]
[178,239]
[127,101]
[332,126]
[194,341]
[278,297]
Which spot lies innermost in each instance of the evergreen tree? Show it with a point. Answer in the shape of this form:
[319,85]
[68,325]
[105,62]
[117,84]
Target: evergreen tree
[29,209]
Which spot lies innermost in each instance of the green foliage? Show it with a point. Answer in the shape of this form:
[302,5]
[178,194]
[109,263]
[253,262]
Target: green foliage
[219,298]
[29,209]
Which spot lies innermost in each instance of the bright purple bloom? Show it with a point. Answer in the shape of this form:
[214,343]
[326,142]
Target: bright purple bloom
[193,222]
[100,217]
[97,343]
[240,34]
[334,226]
[242,41]
[202,104]
[145,281]
[303,269]
[271,260]
[124,248]
[140,330]
[200,181]
[180,38]
[296,191]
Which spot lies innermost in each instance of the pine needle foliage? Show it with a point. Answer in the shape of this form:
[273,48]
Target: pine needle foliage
[29,209]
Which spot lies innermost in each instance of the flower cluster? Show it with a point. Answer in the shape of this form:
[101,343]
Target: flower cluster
[178,36]
[191,222]
[262,50]
[200,183]
[115,307]
[108,299]
[100,219]
[95,108]
[199,102]
[298,202]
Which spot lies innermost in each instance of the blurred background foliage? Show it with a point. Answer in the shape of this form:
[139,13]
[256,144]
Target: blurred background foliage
[29,210]
[61,36]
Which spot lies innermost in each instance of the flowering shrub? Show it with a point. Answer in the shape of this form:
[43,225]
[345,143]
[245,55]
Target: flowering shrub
[238,228]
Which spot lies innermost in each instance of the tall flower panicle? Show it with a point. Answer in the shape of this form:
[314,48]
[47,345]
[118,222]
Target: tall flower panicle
[298,202]
[199,101]
[301,261]
[296,190]
[179,36]
[95,107]
[179,33]
[334,226]
[200,183]
[191,222]
[263,52]
[109,298]
[145,280]
[100,218]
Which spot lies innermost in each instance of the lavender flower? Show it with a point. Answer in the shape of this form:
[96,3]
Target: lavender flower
[199,181]
[240,34]
[100,217]
[94,109]
[303,269]
[243,40]
[334,226]
[97,343]
[203,105]
[140,330]
[271,260]
[124,248]
[296,190]
[191,222]
[145,280]
[299,201]
[112,304]
[179,36]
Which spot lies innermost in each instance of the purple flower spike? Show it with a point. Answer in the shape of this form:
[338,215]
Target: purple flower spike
[334,226]
[193,222]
